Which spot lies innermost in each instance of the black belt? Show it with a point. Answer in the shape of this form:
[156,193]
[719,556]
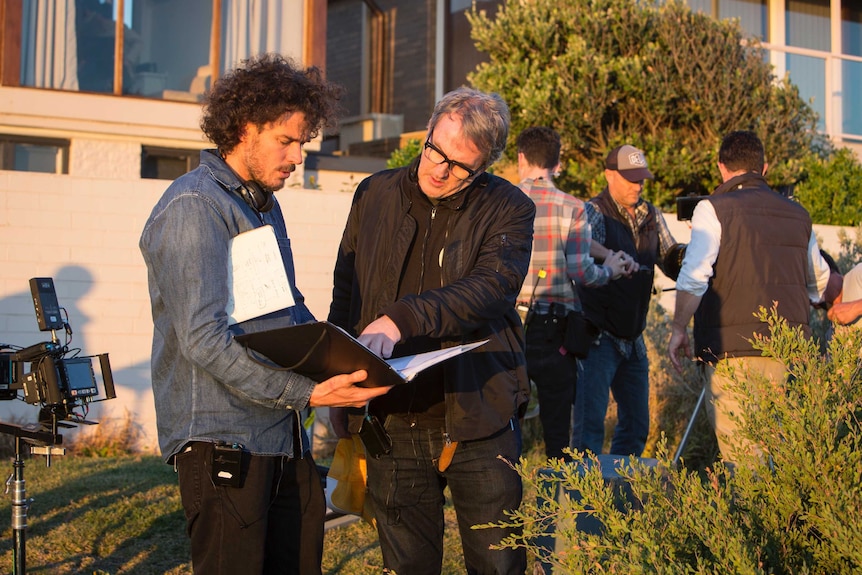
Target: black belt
[547,308]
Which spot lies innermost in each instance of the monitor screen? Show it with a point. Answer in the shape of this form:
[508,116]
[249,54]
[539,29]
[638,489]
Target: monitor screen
[80,380]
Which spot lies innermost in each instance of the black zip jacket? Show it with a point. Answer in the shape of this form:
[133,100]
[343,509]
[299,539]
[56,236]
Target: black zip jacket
[486,253]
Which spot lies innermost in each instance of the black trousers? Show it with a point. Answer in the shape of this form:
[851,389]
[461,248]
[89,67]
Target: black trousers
[555,375]
[272,524]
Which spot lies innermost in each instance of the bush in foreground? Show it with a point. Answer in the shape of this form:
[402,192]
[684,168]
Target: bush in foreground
[795,511]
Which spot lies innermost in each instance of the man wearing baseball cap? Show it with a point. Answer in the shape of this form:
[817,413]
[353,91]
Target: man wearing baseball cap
[621,221]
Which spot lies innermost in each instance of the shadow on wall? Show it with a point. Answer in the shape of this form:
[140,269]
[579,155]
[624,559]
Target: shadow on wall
[132,383]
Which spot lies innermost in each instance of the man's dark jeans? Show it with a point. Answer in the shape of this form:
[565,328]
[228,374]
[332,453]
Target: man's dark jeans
[406,491]
[555,375]
[272,524]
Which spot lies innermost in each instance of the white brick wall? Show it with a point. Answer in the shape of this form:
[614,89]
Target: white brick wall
[84,233]
[115,160]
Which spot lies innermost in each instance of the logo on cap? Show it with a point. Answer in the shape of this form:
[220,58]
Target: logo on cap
[637,159]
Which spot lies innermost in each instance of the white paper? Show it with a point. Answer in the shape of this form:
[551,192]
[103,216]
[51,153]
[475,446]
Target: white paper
[411,365]
[256,276]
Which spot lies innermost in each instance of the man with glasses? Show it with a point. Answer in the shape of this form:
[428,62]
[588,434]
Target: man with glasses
[434,255]
[621,220]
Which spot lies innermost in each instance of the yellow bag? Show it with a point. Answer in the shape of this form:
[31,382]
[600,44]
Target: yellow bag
[349,470]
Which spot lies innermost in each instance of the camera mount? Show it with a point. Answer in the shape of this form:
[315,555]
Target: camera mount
[58,379]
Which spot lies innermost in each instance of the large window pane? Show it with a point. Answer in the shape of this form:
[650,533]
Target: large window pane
[809,74]
[95,28]
[851,29]
[752,15]
[167,48]
[252,27]
[851,72]
[851,78]
[49,44]
[808,24]
[704,6]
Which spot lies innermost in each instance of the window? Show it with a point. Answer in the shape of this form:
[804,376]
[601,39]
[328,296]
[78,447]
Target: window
[166,45]
[851,70]
[752,14]
[24,154]
[167,163]
[807,26]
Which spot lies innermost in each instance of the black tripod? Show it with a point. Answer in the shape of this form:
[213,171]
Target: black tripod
[42,442]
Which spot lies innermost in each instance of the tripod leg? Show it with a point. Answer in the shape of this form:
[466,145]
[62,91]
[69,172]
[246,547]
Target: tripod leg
[19,512]
[685,435]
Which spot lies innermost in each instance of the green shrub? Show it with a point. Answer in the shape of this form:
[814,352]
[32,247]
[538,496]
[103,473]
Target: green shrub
[654,74]
[405,154]
[796,511]
[831,188]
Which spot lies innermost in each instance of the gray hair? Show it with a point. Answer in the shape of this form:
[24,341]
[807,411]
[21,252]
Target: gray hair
[484,119]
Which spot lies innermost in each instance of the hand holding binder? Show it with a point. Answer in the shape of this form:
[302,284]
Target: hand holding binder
[320,350]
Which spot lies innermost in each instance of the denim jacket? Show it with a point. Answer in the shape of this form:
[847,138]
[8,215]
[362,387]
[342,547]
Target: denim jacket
[205,384]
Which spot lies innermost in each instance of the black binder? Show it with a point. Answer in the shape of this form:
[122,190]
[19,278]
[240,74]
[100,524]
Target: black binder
[320,350]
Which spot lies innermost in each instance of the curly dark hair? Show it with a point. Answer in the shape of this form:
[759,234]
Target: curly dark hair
[261,90]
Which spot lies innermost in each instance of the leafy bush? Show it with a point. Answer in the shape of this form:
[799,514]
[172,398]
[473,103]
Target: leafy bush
[405,154]
[831,188]
[655,74]
[793,511]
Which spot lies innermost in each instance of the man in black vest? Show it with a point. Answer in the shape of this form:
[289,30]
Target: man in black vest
[621,221]
[768,254]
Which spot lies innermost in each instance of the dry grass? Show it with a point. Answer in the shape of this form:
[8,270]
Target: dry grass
[112,437]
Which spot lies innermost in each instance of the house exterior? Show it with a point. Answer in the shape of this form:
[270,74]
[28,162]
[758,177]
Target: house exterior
[400,56]
[99,110]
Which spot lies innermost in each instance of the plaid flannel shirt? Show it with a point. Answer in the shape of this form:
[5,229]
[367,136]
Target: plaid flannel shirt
[561,247]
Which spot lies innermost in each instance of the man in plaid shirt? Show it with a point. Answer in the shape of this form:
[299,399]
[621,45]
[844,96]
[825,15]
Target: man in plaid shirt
[621,220]
[560,257]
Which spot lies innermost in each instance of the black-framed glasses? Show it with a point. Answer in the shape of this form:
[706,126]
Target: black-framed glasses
[457,169]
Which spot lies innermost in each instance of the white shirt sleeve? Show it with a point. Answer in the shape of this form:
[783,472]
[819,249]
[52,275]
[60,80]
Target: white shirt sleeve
[702,250]
[818,271]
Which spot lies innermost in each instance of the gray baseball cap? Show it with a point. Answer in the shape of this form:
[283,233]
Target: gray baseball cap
[630,162]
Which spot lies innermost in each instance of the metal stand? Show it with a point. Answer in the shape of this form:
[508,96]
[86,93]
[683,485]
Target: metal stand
[43,442]
[684,439]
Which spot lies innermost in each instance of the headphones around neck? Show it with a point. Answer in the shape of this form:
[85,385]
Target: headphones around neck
[256,197]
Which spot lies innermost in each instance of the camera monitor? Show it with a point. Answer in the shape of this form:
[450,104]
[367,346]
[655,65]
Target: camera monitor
[45,302]
[78,377]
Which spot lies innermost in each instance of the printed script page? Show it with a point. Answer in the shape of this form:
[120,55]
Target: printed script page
[256,276]
[411,365]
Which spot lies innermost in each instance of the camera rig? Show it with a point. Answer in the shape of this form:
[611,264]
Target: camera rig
[52,374]
[55,377]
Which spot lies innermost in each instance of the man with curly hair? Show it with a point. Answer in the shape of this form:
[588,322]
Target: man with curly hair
[215,404]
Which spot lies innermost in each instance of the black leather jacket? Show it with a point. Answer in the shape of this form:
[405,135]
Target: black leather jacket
[486,255]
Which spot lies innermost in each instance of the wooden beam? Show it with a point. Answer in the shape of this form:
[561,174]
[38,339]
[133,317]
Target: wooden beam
[10,42]
[119,49]
[215,42]
[314,34]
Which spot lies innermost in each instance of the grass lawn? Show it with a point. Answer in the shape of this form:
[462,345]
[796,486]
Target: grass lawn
[122,515]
